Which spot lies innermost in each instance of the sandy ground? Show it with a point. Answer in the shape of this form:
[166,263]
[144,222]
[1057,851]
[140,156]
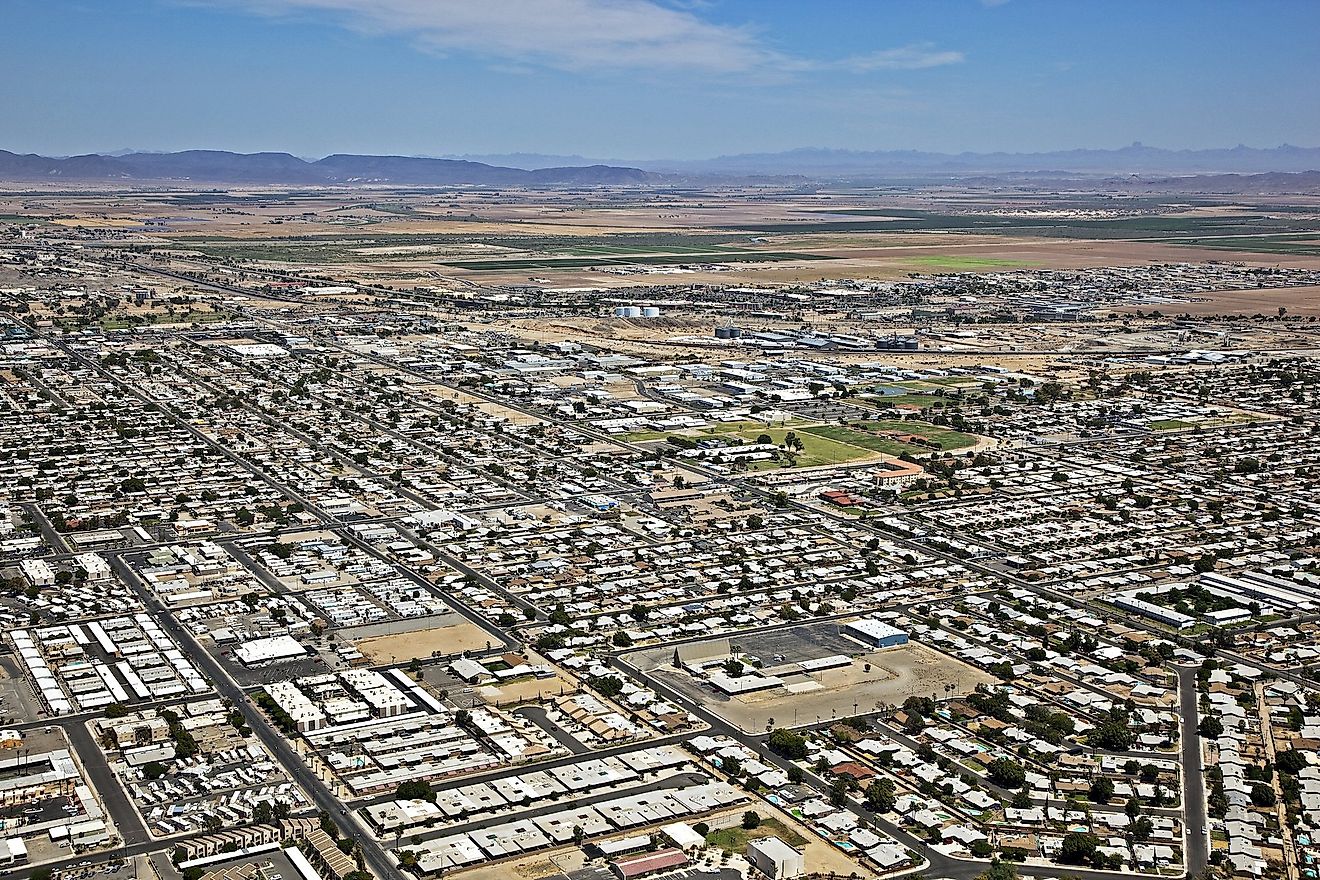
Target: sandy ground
[1265,301]
[452,639]
[896,674]
[512,415]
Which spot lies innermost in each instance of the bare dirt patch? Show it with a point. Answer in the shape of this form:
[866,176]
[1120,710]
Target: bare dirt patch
[421,644]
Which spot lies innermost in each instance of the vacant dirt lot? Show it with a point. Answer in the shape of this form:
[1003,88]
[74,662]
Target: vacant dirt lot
[894,674]
[420,644]
[1263,301]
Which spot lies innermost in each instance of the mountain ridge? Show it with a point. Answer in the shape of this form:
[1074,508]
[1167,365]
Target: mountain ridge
[275,168]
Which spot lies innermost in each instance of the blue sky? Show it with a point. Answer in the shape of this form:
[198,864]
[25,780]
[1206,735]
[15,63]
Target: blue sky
[655,78]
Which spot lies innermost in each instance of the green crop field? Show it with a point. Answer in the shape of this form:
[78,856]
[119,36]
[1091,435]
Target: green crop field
[654,260]
[1068,227]
[1305,245]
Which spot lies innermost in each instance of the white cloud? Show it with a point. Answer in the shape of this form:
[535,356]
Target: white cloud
[573,34]
[915,57]
[586,34]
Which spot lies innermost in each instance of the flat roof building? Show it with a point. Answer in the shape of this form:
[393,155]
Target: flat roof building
[775,859]
[877,633]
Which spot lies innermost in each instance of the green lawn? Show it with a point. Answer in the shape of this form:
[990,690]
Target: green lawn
[947,438]
[817,449]
[1170,425]
[734,840]
[746,425]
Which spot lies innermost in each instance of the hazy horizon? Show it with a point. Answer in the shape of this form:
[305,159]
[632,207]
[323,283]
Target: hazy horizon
[656,79]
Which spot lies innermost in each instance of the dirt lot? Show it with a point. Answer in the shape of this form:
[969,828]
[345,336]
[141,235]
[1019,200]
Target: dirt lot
[1264,301]
[894,675]
[420,644]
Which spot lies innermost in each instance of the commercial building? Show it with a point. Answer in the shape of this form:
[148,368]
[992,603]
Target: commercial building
[775,859]
[877,633]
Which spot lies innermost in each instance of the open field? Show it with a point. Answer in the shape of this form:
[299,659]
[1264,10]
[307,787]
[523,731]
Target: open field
[870,435]
[421,644]
[894,674]
[1263,301]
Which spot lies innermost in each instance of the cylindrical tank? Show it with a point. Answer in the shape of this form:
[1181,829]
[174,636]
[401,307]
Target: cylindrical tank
[723,332]
[620,311]
[632,311]
[735,332]
[650,312]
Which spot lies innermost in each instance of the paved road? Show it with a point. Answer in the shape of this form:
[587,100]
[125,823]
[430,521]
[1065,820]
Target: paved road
[1197,840]
[113,797]
[274,741]
[536,715]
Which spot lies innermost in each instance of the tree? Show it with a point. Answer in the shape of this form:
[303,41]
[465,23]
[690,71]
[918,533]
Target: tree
[999,870]
[153,770]
[414,790]
[1142,829]
[1210,727]
[1078,848]
[621,639]
[733,668]
[1102,790]
[1007,773]
[328,825]
[1113,735]
[1291,762]
[1262,795]
[750,820]
[789,744]
[880,796]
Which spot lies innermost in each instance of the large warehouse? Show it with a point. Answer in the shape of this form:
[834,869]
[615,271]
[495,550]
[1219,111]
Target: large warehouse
[877,633]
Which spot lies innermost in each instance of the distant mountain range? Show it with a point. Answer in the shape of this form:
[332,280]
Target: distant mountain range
[219,167]
[1139,163]
[854,164]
